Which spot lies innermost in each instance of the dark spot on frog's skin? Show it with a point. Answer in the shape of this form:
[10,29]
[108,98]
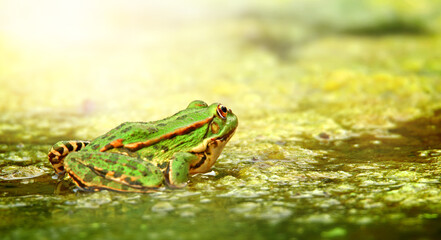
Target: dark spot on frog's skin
[152,129]
[60,150]
[131,166]
[119,169]
[86,155]
[164,148]
[163,165]
[145,174]
[126,129]
[107,160]
[117,174]
[125,187]
[162,125]
[111,138]
[129,181]
[81,145]
[95,146]
[104,135]
[69,147]
[120,126]
[181,117]
[149,156]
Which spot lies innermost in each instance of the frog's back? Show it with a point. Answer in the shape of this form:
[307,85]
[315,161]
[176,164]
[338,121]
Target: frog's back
[126,131]
[136,132]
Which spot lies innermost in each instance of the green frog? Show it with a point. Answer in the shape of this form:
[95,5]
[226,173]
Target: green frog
[144,156]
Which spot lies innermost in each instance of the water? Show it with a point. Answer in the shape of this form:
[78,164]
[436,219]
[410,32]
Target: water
[360,187]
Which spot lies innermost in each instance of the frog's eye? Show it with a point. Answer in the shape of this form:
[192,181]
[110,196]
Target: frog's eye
[222,111]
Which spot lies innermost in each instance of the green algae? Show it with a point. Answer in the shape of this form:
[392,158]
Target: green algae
[339,135]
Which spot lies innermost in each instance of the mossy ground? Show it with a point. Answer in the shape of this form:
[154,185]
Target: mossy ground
[338,105]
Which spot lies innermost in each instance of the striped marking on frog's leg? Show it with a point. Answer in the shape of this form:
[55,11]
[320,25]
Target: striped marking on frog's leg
[60,150]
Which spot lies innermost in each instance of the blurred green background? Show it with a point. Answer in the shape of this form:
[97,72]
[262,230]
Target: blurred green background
[338,103]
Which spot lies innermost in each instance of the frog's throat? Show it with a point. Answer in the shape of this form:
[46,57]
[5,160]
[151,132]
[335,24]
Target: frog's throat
[208,152]
[138,145]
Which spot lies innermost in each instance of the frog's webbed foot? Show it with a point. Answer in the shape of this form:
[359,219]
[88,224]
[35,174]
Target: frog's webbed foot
[176,174]
[59,151]
[94,171]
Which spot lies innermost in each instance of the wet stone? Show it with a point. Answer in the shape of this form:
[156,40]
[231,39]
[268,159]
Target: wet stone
[162,207]
[18,173]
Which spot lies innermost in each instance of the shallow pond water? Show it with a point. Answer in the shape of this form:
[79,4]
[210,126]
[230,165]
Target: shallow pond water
[339,131]
[362,186]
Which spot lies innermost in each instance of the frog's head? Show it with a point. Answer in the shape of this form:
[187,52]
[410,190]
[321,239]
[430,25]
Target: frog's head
[223,125]
[220,130]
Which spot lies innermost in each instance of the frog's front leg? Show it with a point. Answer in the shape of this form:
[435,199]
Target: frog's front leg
[112,171]
[178,169]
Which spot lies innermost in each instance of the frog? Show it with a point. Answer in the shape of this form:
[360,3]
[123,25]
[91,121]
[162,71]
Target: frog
[147,156]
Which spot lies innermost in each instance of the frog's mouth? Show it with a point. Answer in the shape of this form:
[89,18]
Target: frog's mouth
[208,154]
[225,138]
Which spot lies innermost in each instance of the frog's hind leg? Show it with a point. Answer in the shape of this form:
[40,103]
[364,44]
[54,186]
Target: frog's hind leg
[59,151]
[94,171]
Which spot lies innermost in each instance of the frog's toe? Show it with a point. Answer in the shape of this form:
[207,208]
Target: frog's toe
[173,184]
